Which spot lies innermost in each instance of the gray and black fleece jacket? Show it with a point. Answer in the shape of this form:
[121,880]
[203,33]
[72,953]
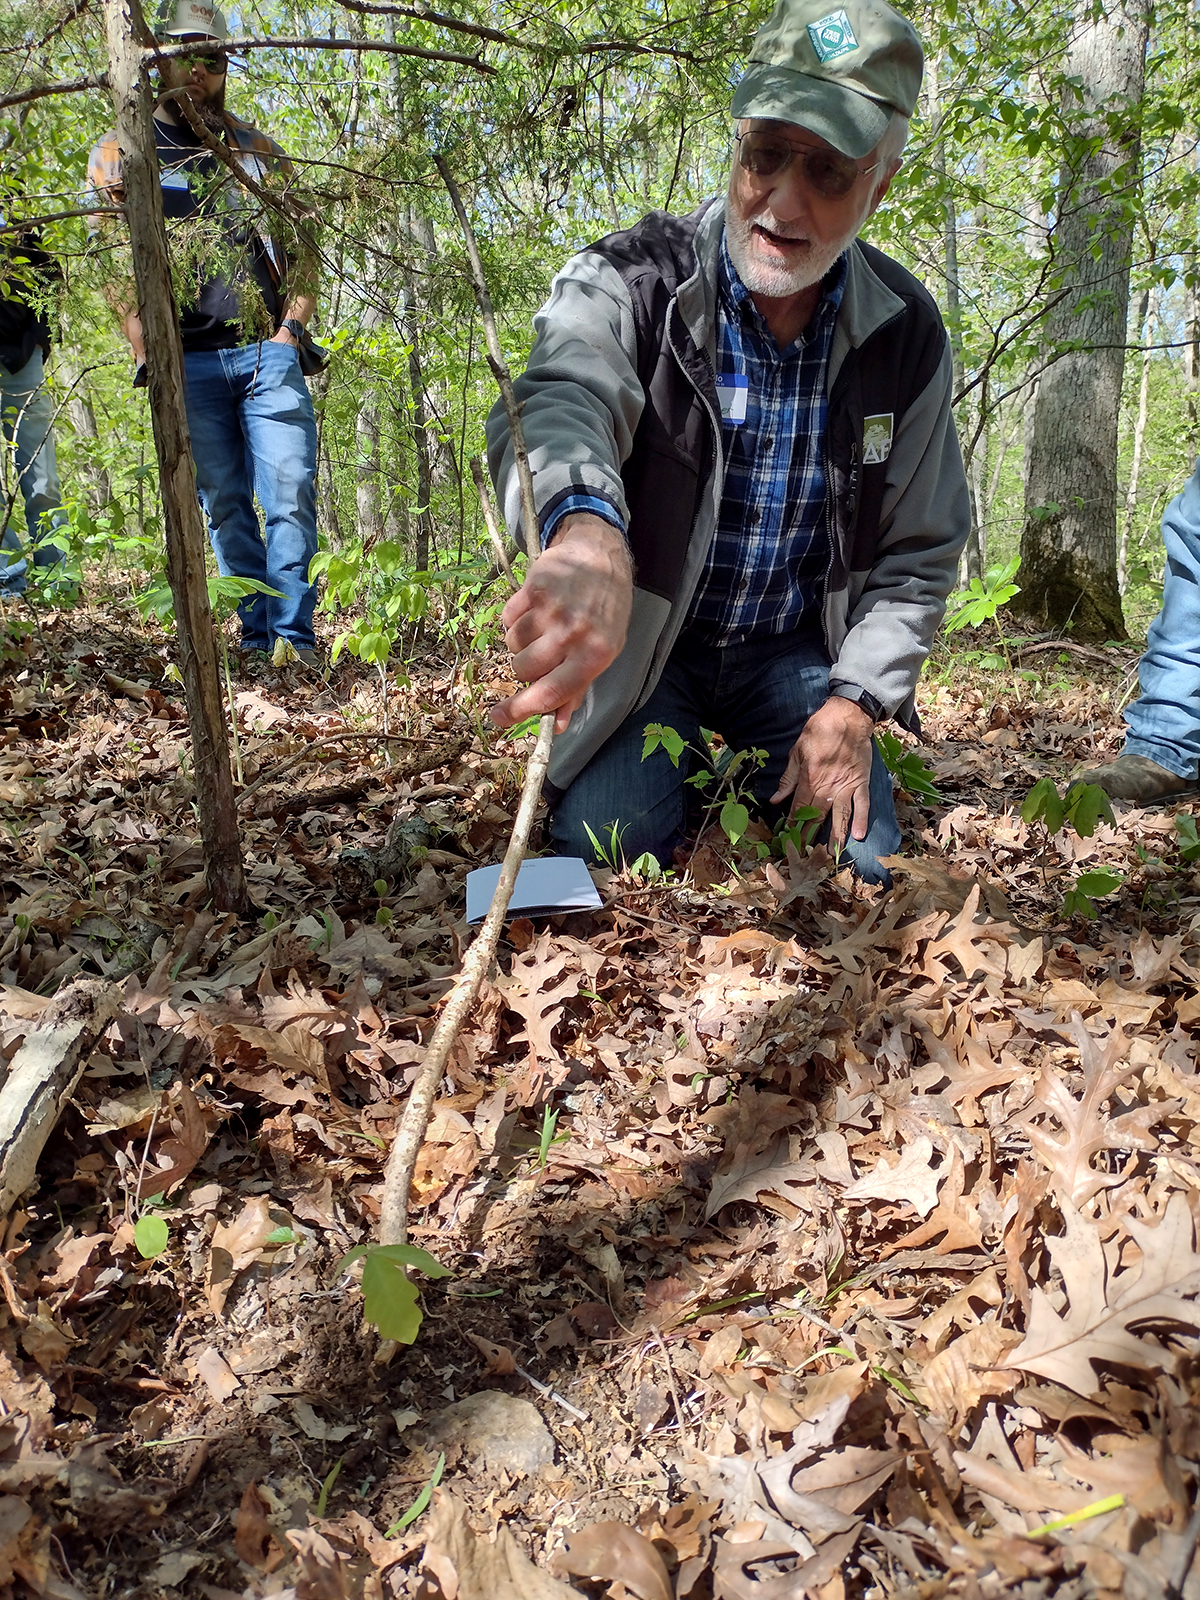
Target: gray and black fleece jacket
[619,400]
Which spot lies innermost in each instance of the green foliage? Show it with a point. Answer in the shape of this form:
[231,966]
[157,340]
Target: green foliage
[389,1294]
[1043,804]
[1080,898]
[907,766]
[734,819]
[1085,806]
[151,1236]
[421,1502]
[670,741]
[980,601]
[547,1137]
[1189,837]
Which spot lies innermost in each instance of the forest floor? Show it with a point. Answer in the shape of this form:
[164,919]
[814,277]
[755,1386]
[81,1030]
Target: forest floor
[859,1261]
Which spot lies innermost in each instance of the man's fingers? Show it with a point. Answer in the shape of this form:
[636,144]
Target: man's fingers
[551,693]
[789,781]
[862,811]
[515,608]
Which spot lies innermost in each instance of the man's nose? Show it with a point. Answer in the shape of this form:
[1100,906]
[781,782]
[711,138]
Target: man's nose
[789,196]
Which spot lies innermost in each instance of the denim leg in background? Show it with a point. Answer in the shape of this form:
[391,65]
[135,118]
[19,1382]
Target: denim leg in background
[756,695]
[253,432]
[28,421]
[1164,724]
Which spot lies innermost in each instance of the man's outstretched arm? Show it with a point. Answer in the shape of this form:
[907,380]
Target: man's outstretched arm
[568,621]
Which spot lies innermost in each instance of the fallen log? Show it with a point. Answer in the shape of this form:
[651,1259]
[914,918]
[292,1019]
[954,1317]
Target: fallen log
[43,1075]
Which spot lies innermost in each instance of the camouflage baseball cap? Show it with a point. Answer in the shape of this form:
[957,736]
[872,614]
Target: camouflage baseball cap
[840,73]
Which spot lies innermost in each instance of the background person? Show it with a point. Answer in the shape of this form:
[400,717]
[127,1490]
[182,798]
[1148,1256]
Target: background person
[249,411]
[1161,755]
[755,409]
[27,409]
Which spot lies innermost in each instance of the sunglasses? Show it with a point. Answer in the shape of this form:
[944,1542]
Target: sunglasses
[218,64]
[831,174]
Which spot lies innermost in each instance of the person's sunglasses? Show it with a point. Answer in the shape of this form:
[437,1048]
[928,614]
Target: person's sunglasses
[218,63]
[831,174]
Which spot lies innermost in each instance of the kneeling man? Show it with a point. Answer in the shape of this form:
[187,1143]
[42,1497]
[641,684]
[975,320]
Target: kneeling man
[749,487]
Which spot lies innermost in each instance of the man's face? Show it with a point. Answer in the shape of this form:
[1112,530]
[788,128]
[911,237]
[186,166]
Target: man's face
[202,74]
[783,234]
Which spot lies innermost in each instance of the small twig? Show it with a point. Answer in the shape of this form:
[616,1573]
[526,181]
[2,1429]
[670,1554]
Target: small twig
[410,1134]
[552,1394]
[684,1431]
[491,521]
[314,744]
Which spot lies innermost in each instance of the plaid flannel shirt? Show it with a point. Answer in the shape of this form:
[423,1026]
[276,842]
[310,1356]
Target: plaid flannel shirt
[766,567]
[765,572]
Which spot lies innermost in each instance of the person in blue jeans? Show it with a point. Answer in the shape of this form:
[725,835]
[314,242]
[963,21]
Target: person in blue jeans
[250,415]
[27,414]
[1160,759]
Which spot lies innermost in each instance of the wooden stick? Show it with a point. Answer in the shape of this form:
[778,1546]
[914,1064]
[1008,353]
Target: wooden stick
[410,1135]
[43,1075]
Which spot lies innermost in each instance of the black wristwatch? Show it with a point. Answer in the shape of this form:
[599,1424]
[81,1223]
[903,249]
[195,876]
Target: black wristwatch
[851,691]
[297,329]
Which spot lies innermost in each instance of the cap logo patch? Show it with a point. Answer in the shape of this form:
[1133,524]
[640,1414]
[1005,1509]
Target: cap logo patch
[832,36]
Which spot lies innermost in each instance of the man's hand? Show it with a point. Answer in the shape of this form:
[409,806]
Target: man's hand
[830,767]
[568,620]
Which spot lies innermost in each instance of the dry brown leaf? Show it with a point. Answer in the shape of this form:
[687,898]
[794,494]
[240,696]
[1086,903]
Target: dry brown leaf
[500,1361]
[216,1372]
[735,1579]
[1086,1126]
[253,1539]
[752,1125]
[468,1567]
[617,1552]
[183,1149]
[322,1574]
[962,1374]
[909,1178]
[1104,1303]
[235,1246]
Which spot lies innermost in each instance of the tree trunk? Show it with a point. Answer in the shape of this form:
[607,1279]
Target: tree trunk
[366,492]
[972,560]
[1147,315]
[1069,540]
[186,573]
[327,507]
[83,422]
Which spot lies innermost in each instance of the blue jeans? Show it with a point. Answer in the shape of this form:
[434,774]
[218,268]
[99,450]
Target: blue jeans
[28,422]
[757,696]
[1164,724]
[253,433]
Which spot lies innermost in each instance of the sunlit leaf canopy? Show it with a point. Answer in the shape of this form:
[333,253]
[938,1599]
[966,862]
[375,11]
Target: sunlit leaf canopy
[564,122]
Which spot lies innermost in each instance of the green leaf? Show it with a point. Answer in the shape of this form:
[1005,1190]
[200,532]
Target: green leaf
[419,1504]
[1189,837]
[151,1236]
[281,1235]
[1085,804]
[1100,881]
[389,1293]
[735,819]
[1043,804]
[672,742]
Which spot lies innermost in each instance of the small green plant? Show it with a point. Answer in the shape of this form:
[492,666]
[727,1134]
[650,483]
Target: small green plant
[389,1294]
[1080,899]
[547,1137]
[1084,806]
[1189,837]
[420,1503]
[151,1236]
[726,772]
[906,766]
[981,601]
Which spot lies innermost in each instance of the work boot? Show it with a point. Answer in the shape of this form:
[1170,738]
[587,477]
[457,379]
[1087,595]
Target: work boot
[1139,781]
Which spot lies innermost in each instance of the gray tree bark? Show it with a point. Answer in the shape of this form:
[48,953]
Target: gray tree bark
[1069,540]
[186,541]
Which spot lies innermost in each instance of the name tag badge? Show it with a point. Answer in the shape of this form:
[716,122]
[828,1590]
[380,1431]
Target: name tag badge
[732,391]
[172,178]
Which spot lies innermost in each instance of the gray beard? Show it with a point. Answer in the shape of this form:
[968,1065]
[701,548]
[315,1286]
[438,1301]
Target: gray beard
[767,278]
